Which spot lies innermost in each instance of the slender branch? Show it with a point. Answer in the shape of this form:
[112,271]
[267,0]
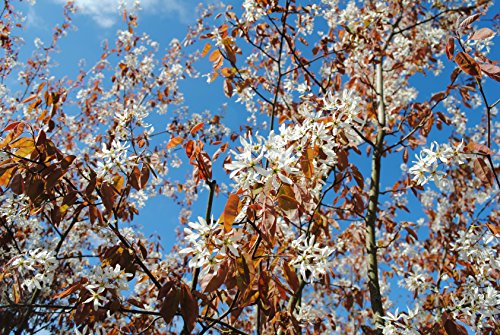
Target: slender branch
[226,313]
[226,325]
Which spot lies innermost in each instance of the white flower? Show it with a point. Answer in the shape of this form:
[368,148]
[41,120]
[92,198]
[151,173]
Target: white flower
[95,296]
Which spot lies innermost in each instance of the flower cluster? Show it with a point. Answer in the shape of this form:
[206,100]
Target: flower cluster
[114,159]
[312,259]
[208,245]
[36,267]
[276,159]
[425,168]
[103,281]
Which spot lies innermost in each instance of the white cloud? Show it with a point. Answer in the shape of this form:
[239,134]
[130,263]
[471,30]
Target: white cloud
[107,12]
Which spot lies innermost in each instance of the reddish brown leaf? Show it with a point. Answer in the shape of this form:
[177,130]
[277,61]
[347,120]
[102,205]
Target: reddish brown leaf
[357,176]
[483,171]
[135,177]
[73,288]
[451,327]
[206,49]
[228,88]
[170,304]
[108,196]
[145,172]
[66,161]
[175,141]
[215,56]
[291,277]
[11,126]
[468,64]
[189,308]
[306,162]
[412,232]
[482,34]
[196,128]
[211,283]
[17,184]
[481,148]
[491,71]
[450,48]
[358,202]
[468,20]
[230,211]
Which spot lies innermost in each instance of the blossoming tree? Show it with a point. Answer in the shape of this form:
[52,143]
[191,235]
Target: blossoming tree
[327,226]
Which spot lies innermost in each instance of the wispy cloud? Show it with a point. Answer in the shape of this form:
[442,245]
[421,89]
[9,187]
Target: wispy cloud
[107,12]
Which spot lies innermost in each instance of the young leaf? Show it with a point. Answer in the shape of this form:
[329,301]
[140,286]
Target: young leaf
[175,141]
[206,49]
[230,211]
[189,307]
[468,64]
[482,34]
[170,304]
[196,128]
[483,171]
[450,48]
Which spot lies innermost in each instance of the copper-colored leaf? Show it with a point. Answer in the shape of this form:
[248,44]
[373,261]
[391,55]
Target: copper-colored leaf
[145,172]
[135,177]
[291,277]
[206,49]
[189,147]
[108,196]
[495,230]
[492,71]
[287,202]
[286,198]
[468,20]
[483,171]
[6,173]
[450,48]
[230,211]
[170,304]
[215,55]
[306,162]
[24,146]
[66,161]
[72,288]
[229,51]
[481,148]
[358,177]
[228,88]
[452,327]
[12,125]
[196,128]
[482,34]
[468,64]
[175,141]
[213,282]
[189,308]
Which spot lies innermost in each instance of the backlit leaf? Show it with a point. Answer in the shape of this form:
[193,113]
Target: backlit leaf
[230,211]
[468,64]
[175,141]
